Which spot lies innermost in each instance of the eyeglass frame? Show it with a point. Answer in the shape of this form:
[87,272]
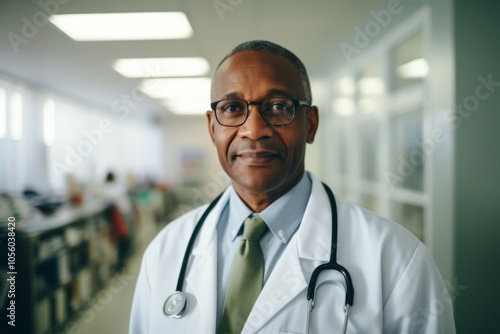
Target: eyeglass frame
[296,104]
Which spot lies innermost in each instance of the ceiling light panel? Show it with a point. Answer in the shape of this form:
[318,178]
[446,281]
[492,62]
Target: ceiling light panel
[180,95]
[371,86]
[162,67]
[417,68]
[196,106]
[176,88]
[124,26]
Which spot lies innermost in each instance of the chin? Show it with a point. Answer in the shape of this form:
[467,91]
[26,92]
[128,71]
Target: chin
[260,184]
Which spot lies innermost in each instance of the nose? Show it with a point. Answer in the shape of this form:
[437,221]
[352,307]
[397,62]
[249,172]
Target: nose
[255,127]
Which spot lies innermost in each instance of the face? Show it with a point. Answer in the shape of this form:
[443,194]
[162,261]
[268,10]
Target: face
[263,161]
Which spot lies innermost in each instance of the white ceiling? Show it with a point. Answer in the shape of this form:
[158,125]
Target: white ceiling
[82,70]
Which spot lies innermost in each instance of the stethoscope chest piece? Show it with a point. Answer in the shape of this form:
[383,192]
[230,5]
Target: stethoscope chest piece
[176,305]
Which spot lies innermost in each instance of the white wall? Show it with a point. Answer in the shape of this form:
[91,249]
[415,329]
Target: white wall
[188,134]
[88,142]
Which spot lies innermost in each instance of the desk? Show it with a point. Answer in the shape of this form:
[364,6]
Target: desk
[62,262]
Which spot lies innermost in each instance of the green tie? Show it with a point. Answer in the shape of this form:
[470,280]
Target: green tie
[245,281]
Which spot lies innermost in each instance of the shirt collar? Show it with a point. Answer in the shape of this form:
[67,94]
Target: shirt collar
[282,217]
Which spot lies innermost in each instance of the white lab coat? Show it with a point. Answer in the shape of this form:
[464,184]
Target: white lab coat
[398,288]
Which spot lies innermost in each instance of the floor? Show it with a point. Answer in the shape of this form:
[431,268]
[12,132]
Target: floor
[109,312]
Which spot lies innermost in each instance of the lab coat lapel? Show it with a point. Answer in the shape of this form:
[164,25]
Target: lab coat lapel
[202,270]
[309,247]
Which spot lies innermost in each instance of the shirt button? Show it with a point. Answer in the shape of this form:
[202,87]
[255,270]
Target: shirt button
[233,233]
[281,233]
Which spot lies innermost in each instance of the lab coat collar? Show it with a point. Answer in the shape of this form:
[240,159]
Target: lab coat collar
[309,248]
[315,233]
[202,270]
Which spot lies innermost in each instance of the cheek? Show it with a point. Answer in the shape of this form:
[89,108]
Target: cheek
[296,153]
[295,144]
[223,140]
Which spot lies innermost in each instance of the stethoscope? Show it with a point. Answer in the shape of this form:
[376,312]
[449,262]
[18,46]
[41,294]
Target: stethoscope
[176,304]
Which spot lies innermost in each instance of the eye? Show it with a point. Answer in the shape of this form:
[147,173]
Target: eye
[278,106]
[232,106]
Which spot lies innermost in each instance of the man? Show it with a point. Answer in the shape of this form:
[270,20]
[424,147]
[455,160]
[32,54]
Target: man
[260,123]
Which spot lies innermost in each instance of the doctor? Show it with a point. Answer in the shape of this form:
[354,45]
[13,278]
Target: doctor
[261,120]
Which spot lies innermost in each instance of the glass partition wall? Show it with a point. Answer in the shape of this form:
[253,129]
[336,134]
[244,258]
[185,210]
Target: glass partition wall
[378,128]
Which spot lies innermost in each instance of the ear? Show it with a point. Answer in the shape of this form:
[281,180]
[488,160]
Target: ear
[312,118]
[211,123]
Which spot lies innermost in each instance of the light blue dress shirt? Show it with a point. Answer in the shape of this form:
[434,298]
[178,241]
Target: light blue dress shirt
[283,218]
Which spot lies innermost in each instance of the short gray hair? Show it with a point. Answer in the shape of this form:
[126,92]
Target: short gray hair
[260,45]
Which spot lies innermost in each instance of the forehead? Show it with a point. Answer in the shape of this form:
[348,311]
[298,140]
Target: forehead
[254,71]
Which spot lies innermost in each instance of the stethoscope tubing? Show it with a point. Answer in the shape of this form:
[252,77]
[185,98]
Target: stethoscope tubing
[331,265]
[187,253]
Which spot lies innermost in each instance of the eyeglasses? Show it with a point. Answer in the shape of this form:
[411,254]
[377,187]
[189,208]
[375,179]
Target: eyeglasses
[274,110]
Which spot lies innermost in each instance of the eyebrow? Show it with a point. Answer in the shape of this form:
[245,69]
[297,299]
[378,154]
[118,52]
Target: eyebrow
[270,93]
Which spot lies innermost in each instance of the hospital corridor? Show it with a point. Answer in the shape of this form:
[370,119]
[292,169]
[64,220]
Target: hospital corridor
[249,166]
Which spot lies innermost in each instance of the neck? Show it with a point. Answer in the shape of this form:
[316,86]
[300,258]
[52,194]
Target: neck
[259,201]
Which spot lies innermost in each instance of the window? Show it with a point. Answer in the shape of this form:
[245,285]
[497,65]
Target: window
[3,113]
[17,116]
[48,122]
[409,64]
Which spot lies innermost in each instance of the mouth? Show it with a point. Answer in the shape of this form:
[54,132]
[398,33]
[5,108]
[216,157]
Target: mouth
[257,158]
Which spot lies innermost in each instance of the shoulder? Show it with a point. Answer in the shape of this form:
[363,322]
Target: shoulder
[357,224]
[383,253]
[362,220]
[389,239]
[384,248]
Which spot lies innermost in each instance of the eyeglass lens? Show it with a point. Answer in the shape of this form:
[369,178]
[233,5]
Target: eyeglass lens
[275,111]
